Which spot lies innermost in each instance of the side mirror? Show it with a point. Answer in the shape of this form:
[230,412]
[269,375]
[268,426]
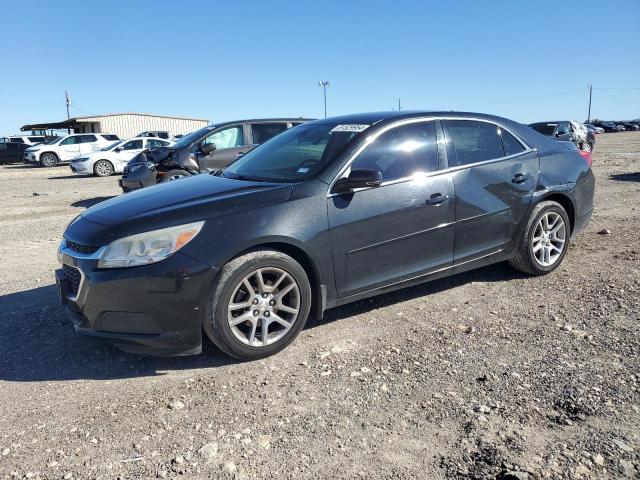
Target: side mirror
[358,178]
[117,149]
[208,148]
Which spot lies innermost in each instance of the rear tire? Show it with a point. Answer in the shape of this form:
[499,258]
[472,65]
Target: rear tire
[172,175]
[544,242]
[250,316]
[48,159]
[103,168]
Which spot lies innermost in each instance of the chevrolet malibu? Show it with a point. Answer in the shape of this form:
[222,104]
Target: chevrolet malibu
[326,213]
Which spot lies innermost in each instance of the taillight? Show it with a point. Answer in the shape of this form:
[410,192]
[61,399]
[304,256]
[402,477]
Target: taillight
[586,156]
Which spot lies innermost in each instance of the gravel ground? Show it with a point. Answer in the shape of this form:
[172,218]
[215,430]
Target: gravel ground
[488,374]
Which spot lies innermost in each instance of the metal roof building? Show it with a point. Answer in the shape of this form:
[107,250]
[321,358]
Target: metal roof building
[125,125]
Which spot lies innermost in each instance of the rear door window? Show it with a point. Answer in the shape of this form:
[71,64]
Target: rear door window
[474,141]
[511,145]
[86,138]
[261,132]
[402,152]
[111,138]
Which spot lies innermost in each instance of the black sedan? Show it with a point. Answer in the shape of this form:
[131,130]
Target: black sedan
[327,213]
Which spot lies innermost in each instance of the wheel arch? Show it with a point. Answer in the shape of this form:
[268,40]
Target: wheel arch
[566,202]
[113,167]
[51,152]
[300,255]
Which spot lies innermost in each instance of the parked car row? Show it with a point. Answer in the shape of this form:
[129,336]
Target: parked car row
[612,127]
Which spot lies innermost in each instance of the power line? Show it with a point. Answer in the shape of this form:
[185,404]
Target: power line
[566,92]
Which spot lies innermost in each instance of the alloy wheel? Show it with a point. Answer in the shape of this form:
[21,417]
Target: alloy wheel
[103,169]
[586,146]
[48,160]
[264,306]
[549,239]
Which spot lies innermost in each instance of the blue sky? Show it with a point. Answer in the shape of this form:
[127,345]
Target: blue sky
[228,60]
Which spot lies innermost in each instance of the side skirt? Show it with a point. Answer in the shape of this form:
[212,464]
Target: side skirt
[493,257]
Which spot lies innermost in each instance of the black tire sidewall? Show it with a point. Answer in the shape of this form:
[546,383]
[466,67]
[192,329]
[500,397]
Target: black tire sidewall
[550,207]
[95,168]
[221,295]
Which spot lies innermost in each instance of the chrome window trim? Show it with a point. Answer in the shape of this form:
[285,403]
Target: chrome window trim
[371,138]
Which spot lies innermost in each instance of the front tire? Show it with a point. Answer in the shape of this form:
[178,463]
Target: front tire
[48,160]
[258,305]
[172,175]
[587,147]
[103,168]
[544,242]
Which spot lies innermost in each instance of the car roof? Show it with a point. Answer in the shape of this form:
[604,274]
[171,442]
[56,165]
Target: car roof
[373,118]
[285,119]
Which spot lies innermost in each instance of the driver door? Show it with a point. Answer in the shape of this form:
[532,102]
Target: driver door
[230,144]
[401,229]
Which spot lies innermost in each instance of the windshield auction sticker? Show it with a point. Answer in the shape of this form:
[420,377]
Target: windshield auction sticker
[349,128]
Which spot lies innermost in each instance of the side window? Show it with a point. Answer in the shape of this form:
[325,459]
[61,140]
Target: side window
[230,137]
[510,144]
[16,140]
[70,141]
[86,139]
[156,143]
[474,141]
[563,128]
[261,132]
[133,145]
[402,151]
[36,139]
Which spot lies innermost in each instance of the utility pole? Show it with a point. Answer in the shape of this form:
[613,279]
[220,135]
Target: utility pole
[399,106]
[66,96]
[589,114]
[324,84]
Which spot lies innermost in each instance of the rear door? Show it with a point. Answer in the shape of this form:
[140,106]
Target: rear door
[494,177]
[401,229]
[230,143]
[88,143]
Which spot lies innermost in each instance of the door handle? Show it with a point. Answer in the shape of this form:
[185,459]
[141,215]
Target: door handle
[437,199]
[519,178]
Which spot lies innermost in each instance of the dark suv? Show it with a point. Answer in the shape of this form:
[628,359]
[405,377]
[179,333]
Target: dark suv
[208,149]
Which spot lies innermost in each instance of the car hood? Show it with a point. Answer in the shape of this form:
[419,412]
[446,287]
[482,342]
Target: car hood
[199,197]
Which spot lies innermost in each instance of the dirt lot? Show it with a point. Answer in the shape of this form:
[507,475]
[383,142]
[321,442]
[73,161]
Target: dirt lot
[488,374]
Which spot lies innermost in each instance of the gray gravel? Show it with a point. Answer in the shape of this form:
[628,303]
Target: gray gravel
[488,374]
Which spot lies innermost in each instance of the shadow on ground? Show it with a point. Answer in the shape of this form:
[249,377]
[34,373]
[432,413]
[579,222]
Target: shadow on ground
[90,202]
[39,343]
[626,177]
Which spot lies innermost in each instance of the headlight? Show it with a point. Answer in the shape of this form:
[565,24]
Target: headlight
[148,247]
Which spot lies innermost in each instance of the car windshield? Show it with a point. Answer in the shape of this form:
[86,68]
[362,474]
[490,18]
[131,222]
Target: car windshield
[111,146]
[192,137]
[295,155]
[53,141]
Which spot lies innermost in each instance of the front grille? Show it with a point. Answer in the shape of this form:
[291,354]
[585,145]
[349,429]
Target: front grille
[79,248]
[74,276]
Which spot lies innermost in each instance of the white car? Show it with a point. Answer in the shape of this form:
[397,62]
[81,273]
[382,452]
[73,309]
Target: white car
[114,157]
[63,149]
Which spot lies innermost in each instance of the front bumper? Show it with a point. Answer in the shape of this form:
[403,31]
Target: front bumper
[136,177]
[31,158]
[153,309]
[80,168]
